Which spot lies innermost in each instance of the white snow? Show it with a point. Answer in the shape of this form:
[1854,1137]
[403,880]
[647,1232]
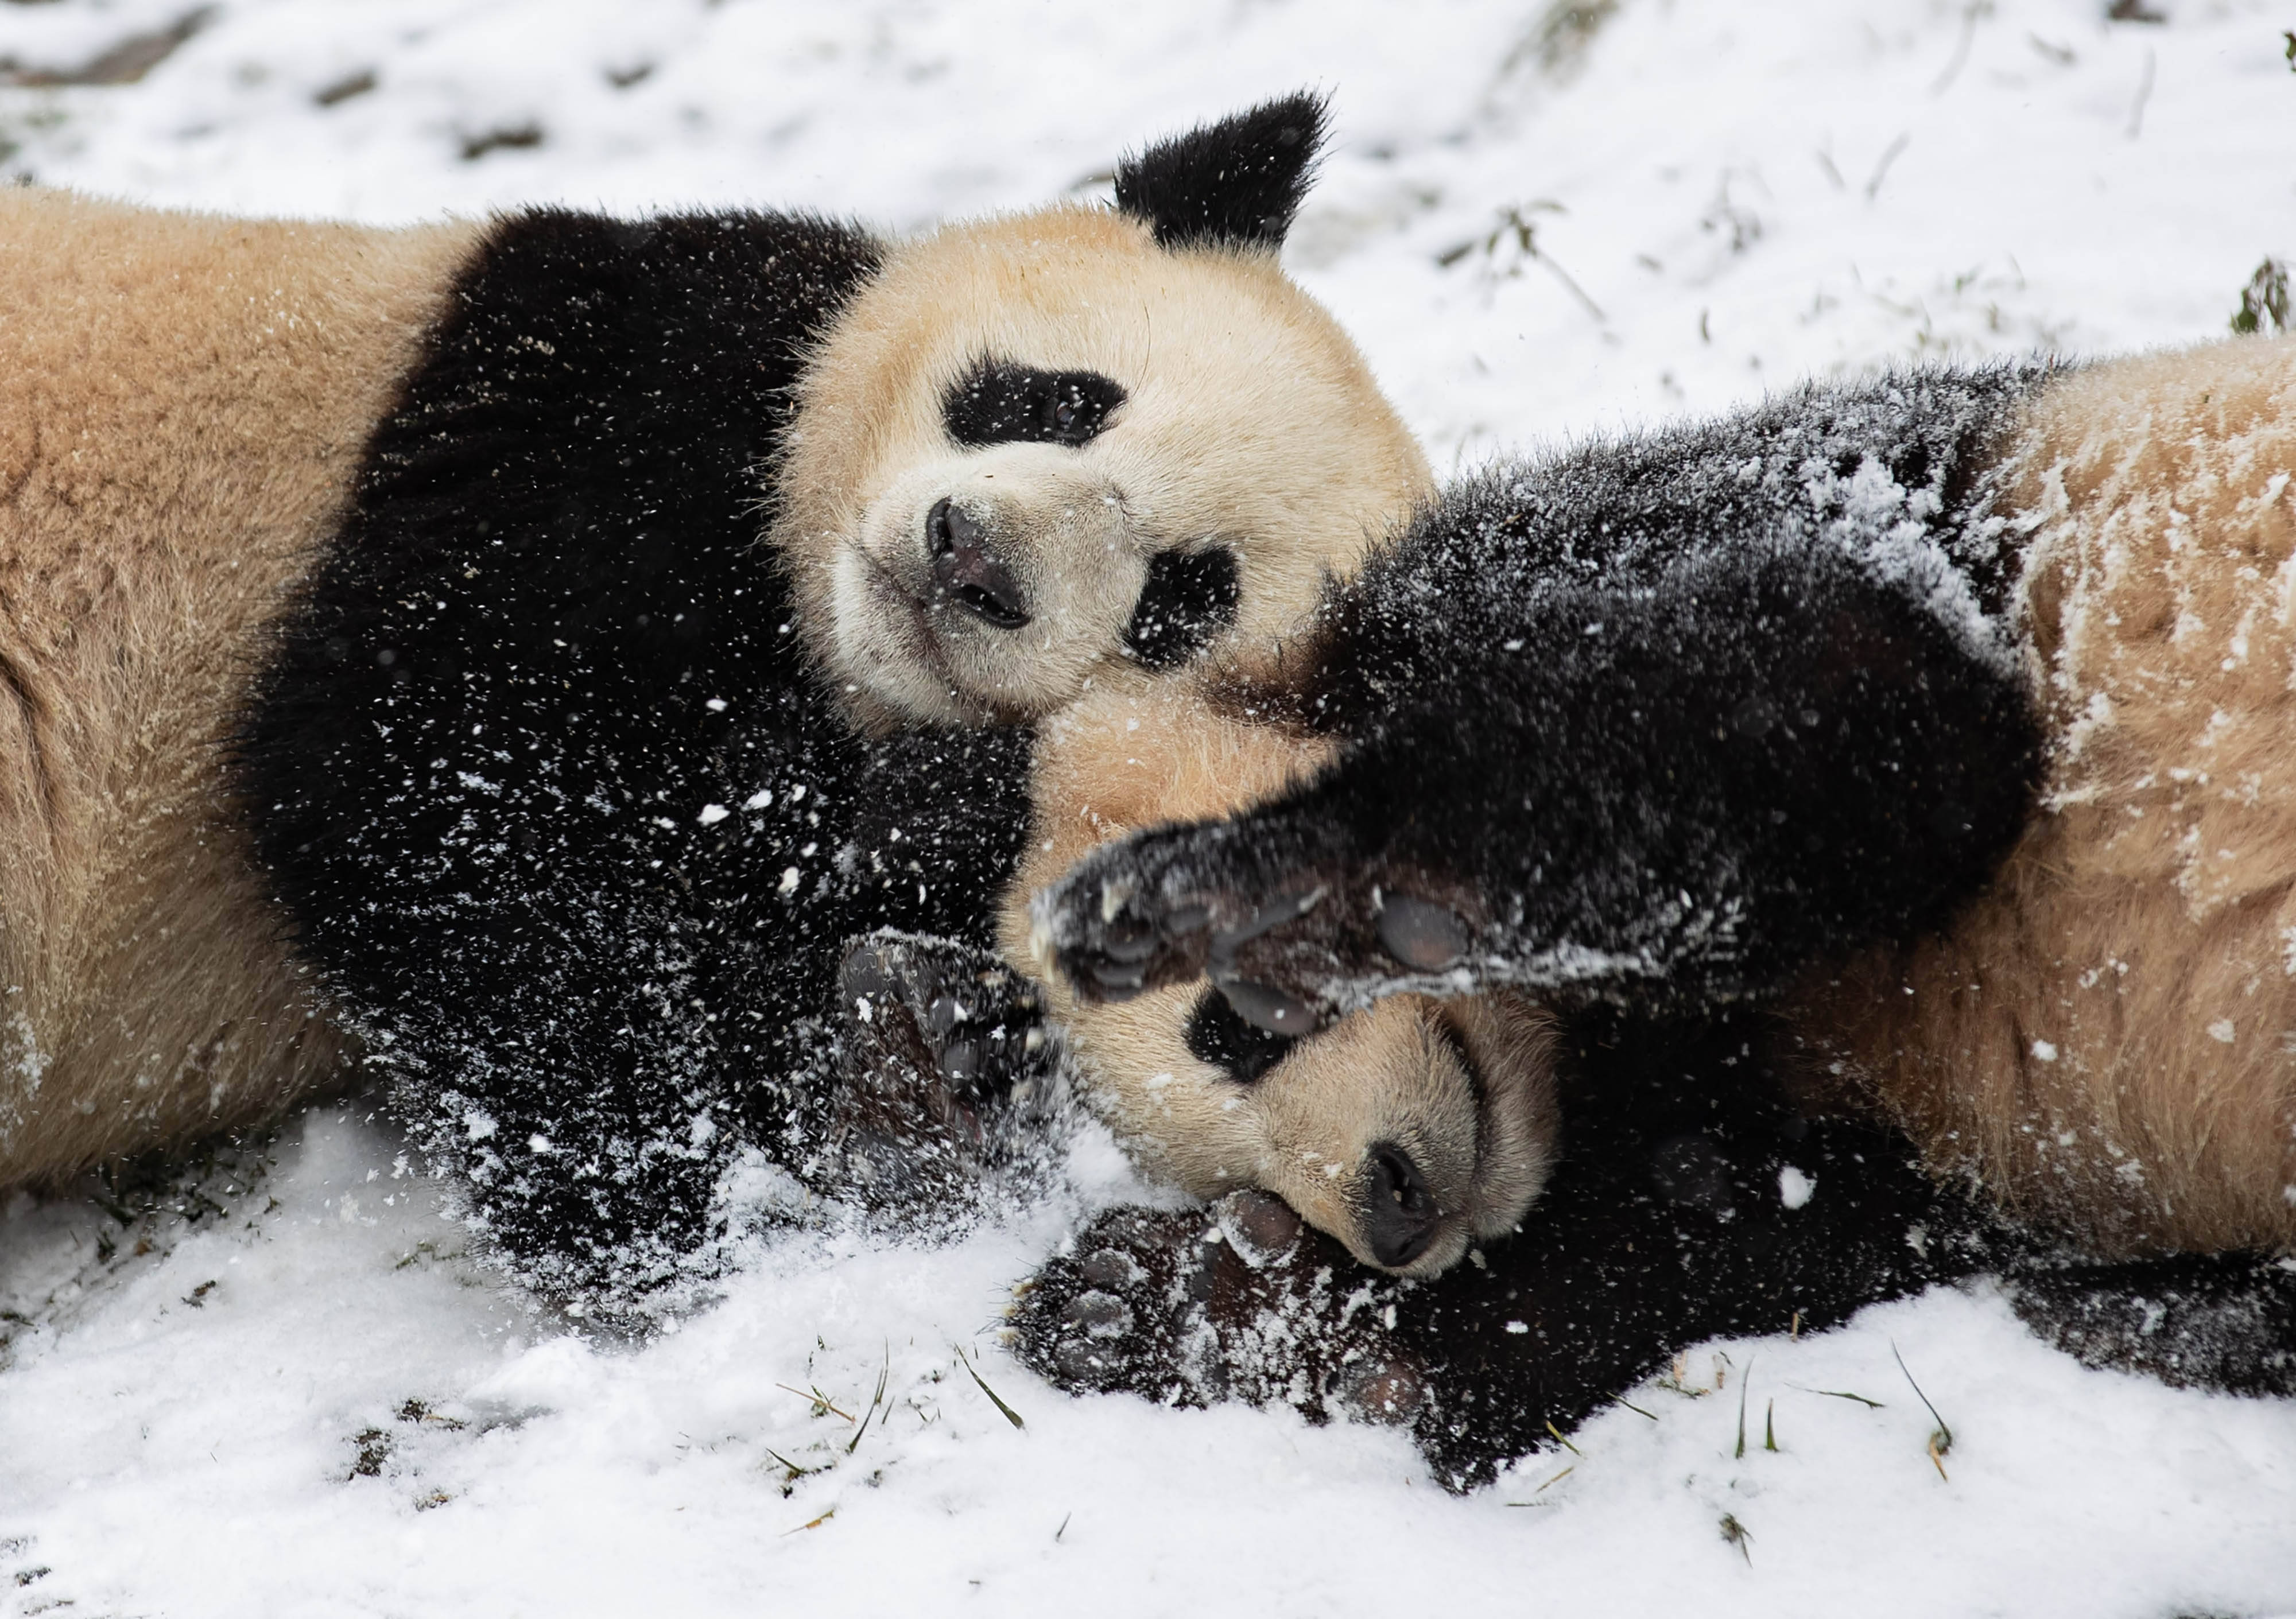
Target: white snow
[1695,203]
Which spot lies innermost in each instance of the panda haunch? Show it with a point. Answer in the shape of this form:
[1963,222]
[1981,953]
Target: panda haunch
[1946,713]
[413,578]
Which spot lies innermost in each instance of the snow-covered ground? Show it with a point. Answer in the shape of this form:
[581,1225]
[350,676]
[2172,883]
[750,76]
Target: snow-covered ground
[289,1394]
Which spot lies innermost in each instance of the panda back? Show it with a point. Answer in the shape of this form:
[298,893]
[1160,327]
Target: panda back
[181,403]
[2104,1035]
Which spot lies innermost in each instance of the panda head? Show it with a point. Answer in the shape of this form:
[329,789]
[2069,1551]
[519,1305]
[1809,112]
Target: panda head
[1086,444]
[1409,1131]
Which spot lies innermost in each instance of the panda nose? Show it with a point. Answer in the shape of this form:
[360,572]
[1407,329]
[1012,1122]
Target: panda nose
[968,572]
[1399,1215]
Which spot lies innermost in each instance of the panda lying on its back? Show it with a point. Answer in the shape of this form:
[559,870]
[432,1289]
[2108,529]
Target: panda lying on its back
[1944,716]
[456,535]
[1948,711]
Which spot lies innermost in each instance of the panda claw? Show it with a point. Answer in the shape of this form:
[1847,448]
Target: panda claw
[1259,1226]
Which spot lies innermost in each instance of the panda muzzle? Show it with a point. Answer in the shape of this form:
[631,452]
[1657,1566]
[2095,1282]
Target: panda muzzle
[968,572]
[1400,1215]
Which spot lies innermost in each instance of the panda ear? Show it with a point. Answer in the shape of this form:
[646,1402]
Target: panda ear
[1234,183]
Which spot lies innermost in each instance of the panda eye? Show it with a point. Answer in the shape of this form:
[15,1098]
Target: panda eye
[1000,402]
[1218,1036]
[1456,1042]
[1189,597]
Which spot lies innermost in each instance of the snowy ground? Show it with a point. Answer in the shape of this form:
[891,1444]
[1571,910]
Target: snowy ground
[291,1396]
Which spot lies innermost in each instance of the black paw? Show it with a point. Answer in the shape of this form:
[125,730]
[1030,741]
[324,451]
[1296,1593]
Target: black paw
[943,1063]
[1240,1303]
[1282,914]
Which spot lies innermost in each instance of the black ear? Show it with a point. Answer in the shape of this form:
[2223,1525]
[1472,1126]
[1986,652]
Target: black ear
[1234,184]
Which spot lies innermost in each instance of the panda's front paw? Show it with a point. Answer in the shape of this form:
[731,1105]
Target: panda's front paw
[1240,1303]
[1295,924]
[939,1047]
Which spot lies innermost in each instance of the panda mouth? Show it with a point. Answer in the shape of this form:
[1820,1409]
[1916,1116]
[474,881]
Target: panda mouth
[904,616]
[908,619]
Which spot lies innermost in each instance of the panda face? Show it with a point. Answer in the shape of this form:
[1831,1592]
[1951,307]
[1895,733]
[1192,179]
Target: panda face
[1409,1131]
[1044,452]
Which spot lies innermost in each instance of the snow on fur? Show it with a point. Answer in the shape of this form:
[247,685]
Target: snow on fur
[1748,197]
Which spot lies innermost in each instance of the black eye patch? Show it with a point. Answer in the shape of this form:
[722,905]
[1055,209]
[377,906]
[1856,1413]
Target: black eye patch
[999,402]
[1218,1036]
[1189,597]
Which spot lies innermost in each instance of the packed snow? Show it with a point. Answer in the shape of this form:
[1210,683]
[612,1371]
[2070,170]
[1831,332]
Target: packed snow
[277,1386]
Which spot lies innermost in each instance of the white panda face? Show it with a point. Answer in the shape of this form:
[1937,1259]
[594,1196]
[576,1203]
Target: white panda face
[1409,1131]
[1043,452]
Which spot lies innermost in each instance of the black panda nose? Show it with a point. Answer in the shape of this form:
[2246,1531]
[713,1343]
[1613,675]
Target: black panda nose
[1400,1215]
[968,572]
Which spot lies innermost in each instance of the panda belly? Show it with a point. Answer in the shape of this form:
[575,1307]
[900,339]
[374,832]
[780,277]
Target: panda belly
[183,404]
[2104,1036]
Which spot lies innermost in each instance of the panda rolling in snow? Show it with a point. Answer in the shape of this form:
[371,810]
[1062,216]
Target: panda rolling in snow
[473,638]
[1213,1105]
[1927,739]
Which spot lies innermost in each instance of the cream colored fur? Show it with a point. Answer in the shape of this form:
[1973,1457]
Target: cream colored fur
[1121,761]
[1249,417]
[182,404]
[2108,1039]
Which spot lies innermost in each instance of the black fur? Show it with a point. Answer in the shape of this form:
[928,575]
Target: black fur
[2196,1320]
[537,746]
[1237,183]
[1216,1035]
[999,402]
[1663,1225]
[1664,720]
[1188,598]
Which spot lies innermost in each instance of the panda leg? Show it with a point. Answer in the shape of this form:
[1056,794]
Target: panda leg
[936,1041]
[1769,758]
[1277,909]
[2195,1320]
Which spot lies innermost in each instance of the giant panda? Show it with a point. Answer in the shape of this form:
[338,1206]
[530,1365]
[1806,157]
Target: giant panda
[486,649]
[1920,736]
[1455,1092]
